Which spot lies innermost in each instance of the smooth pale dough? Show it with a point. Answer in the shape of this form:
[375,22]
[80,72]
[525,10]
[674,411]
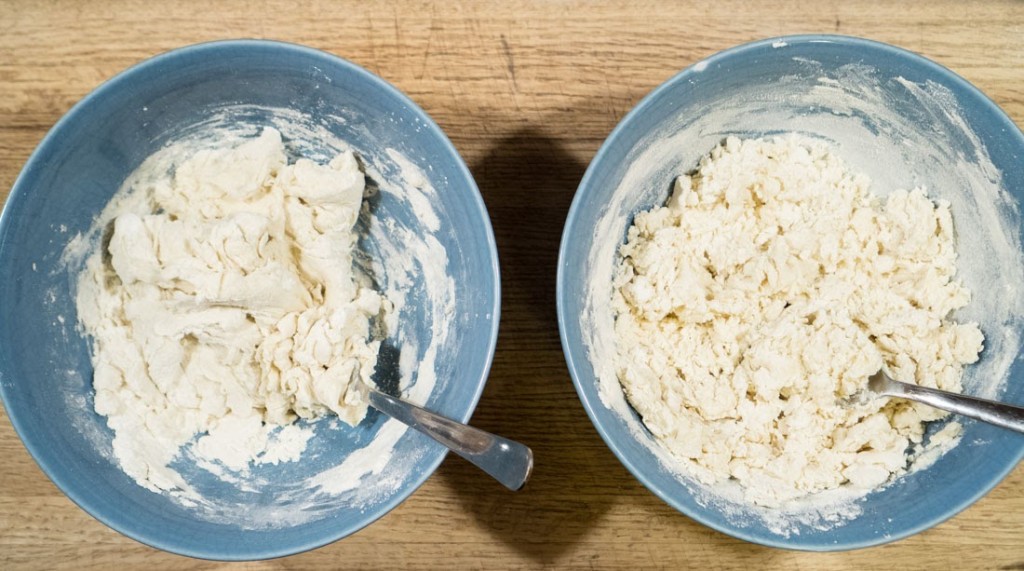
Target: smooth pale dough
[228,305]
[768,289]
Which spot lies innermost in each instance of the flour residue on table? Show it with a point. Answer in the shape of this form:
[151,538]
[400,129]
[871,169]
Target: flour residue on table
[400,255]
[849,109]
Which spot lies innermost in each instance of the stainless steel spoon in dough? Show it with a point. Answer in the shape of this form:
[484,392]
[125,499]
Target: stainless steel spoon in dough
[992,412]
[505,460]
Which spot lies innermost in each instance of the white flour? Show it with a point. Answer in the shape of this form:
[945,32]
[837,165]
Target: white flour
[848,108]
[762,296]
[396,255]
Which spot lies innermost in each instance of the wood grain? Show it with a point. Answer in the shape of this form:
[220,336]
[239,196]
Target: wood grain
[527,91]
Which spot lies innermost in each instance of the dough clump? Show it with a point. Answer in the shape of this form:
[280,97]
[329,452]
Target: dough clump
[763,294]
[225,303]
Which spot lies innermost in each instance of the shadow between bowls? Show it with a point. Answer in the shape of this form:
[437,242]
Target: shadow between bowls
[527,180]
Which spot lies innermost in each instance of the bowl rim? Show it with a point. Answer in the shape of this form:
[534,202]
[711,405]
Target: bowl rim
[122,79]
[702,66]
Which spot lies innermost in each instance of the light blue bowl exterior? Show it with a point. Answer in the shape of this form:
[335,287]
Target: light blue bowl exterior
[83,161]
[919,501]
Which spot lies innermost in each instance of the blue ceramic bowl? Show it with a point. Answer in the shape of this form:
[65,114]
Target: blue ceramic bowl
[901,119]
[316,100]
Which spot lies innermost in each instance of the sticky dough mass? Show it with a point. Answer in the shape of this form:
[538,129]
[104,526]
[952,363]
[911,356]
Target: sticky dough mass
[766,291]
[227,304]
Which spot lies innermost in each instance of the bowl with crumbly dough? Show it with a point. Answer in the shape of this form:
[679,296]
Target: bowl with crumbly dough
[203,259]
[759,235]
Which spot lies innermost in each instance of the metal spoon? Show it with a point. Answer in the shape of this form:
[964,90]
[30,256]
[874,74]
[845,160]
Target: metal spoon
[507,461]
[997,413]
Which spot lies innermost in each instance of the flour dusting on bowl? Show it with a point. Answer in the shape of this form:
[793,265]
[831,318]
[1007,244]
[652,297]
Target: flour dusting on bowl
[900,133]
[424,243]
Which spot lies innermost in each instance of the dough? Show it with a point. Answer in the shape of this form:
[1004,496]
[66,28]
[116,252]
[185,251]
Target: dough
[763,294]
[225,303]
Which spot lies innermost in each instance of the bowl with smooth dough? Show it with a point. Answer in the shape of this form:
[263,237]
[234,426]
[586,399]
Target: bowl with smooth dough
[439,351]
[901,119]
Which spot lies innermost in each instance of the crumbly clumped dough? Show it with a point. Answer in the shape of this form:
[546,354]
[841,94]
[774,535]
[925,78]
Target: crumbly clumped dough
[226,304]
[766,291]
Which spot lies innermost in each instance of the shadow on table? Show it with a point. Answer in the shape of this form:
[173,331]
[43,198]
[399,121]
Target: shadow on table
[528,181]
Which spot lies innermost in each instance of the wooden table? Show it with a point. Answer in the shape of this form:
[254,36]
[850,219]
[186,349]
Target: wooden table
[527,91]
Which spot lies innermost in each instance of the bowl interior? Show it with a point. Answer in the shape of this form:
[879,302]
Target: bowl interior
[444,269]
[900,119]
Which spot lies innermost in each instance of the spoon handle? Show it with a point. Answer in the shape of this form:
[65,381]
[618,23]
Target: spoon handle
[505,460]
[1000,414]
